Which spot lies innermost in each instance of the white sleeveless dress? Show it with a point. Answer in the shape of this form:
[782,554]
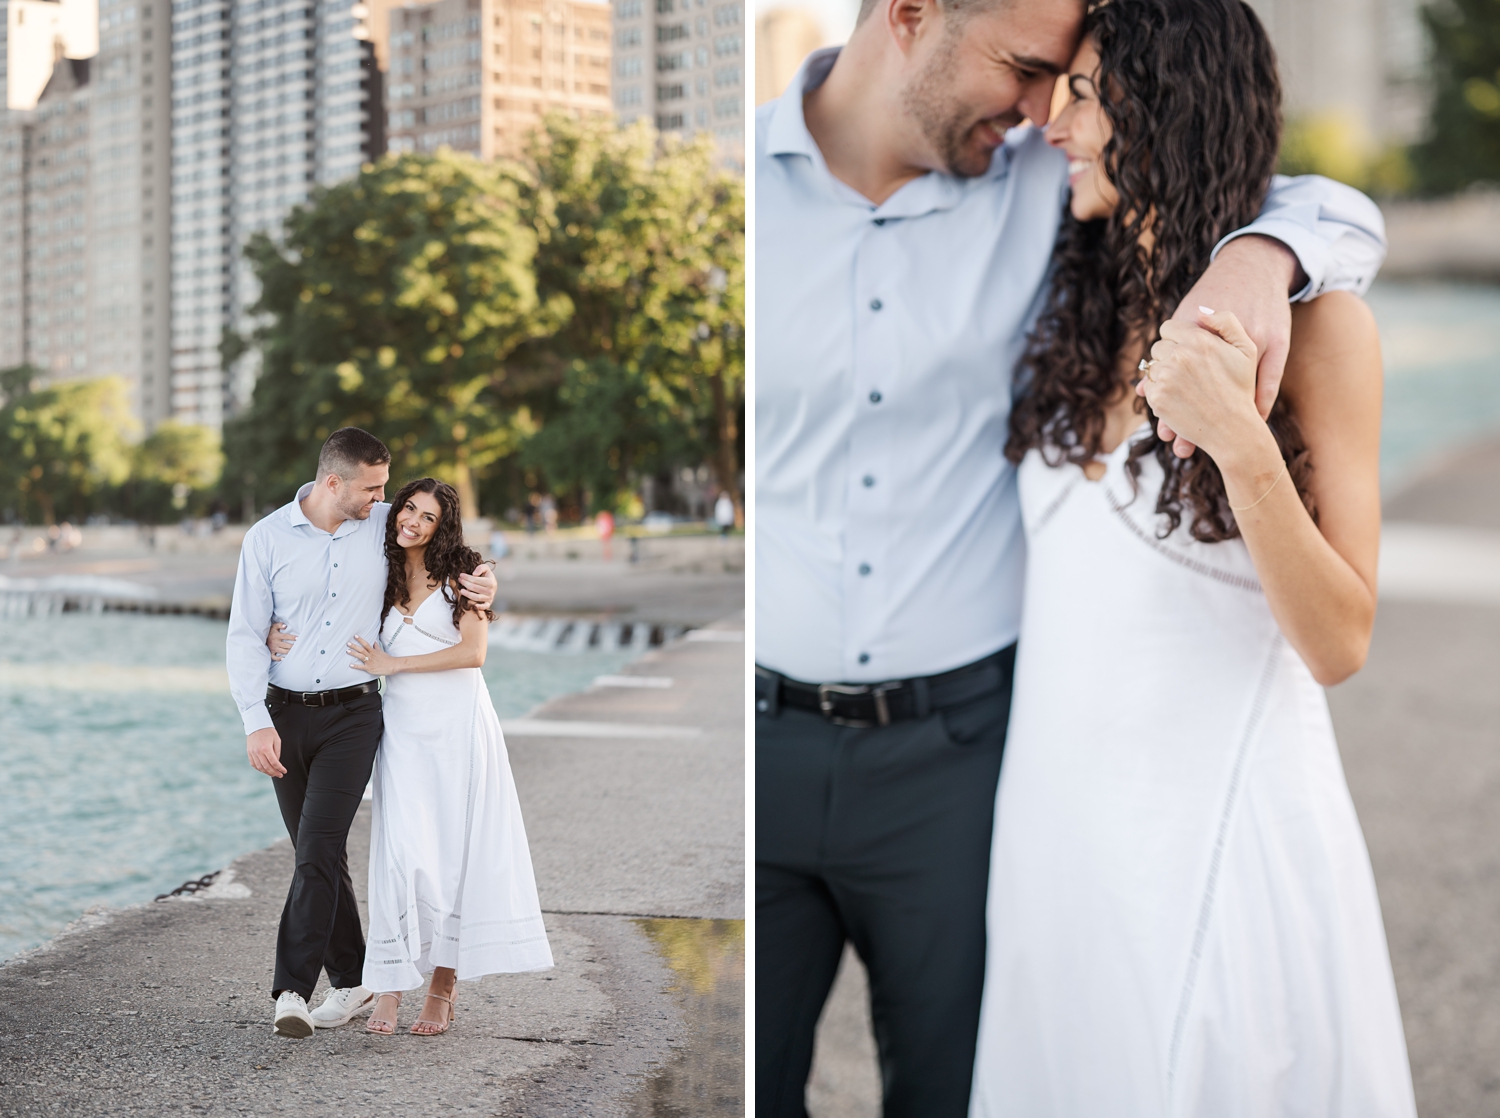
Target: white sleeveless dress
[450,872]
[1182,916]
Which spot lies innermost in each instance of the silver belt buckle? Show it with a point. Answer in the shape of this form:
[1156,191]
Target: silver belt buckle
[879,691]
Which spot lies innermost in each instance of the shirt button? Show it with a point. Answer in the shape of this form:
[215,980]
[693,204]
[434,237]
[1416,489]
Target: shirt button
[317,681]
[335,564]
[880,221]
[876,304]
[868,481]
[322,652]
[335,593]
[864,657]
[328,623]
[864,568]
[876,397]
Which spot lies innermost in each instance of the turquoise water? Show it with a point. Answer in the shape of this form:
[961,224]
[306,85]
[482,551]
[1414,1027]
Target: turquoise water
[1441,343]
[122,760]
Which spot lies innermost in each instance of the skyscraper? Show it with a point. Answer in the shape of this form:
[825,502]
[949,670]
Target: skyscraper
[477,75]
[681,65]
[84,289]
[271,99]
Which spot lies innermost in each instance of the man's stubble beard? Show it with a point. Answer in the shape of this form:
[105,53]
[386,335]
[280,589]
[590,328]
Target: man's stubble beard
[943,118]
[354,508]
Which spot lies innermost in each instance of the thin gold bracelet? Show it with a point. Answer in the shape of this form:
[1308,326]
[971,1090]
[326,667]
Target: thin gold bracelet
[1263,496]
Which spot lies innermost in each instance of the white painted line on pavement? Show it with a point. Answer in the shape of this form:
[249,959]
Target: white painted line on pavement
[1437,563]
[717,636]
[548,728]
[632,681]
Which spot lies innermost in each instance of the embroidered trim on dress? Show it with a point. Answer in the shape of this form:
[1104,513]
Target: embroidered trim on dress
[1177,557]
[1057,503]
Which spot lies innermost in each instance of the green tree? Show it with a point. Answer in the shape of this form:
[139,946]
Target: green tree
[1463,142]
[392,302]
[63,449]
[645,239]
[176,464]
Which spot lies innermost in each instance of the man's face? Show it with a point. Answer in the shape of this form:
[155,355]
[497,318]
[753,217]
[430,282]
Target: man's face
[977,76]
[355,497]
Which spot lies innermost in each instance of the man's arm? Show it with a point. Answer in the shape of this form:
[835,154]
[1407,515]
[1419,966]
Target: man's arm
[1313,235]
[1334,231]
[248,658]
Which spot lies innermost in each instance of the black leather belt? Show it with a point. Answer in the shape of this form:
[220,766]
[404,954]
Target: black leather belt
[320,698]
[866,705]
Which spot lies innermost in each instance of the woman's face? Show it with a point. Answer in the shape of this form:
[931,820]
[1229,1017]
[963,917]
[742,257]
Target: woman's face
[1081,130]
[417,520]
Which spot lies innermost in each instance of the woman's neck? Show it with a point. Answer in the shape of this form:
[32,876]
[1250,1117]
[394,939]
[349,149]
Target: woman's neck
[416,568]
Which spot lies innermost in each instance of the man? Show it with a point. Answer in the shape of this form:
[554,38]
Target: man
[312,721]
[904,235]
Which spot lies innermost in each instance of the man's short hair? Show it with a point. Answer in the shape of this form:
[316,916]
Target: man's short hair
[957,8]
[348,449]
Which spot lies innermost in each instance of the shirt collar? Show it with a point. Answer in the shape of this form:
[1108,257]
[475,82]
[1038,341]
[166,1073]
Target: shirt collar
[936,190]
[295,516]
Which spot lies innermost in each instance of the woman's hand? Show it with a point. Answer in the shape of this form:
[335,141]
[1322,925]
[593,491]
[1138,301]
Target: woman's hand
[371,658]
[279,641]
[1201,385]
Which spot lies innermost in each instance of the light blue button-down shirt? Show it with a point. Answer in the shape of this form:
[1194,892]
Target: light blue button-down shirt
[327,587]
[888,533]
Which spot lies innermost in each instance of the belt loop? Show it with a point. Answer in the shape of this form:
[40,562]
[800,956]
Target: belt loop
[920,697]
[767,692]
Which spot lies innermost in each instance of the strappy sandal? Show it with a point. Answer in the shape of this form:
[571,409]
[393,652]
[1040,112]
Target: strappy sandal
[433,1025]
[383,1026]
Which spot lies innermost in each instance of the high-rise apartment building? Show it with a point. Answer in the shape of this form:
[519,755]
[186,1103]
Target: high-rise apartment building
[681,65]
[84,201]
[202,241]
[271,98]
[477,75]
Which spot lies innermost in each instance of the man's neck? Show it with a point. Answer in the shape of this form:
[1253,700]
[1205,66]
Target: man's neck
[320,511]
[856,120]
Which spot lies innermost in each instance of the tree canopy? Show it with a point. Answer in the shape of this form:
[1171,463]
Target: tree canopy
[391,303]
[1463,142]
[577,315]
[62,448]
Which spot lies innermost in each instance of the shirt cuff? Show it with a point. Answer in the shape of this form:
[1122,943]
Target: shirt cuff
[1310,250]
[255,718]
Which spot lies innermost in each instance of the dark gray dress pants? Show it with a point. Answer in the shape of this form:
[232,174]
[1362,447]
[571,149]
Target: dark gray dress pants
[328,753]
[881,838]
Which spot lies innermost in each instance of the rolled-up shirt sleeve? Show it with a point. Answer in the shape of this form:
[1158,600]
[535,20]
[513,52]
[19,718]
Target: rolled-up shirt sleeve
[246,654]
[1336,233]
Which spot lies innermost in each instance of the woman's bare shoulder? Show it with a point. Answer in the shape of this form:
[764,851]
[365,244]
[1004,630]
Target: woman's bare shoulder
[1335,346]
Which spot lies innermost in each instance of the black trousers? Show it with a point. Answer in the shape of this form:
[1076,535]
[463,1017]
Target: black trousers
[328,753]
[879,837]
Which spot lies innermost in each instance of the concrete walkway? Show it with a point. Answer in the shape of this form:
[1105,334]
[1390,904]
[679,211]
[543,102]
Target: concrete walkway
[1419,730]
[637,839]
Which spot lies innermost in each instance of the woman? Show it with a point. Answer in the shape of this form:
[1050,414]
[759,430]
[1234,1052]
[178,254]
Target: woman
[1182,915]
[451,888]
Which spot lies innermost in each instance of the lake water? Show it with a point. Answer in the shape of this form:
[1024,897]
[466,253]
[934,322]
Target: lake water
[122,760]
[1441,344]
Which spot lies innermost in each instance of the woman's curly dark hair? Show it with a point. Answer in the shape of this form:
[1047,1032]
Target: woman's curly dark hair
[447,556]
[1190,90]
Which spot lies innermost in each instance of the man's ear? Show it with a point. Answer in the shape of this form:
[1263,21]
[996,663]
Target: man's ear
[908,21]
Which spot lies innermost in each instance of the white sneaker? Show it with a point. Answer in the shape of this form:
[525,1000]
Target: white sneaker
[342,1006]
[292,1018]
